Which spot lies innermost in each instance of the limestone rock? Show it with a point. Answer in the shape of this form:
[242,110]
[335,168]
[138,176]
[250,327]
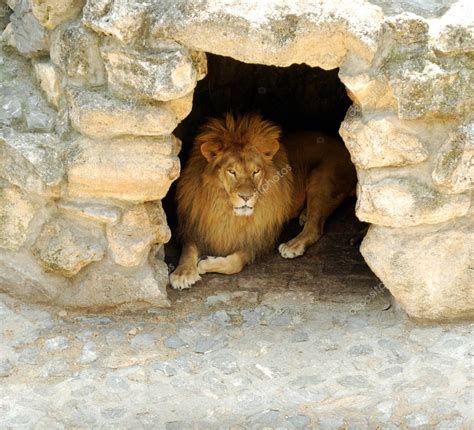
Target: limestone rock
[65,246]
[51,13]
[49,80]
[122,19]
[404,202]
[163,74]
[33,161]
[16,212]
[75,50]
[427,268]
[104,285]
[22,277]
[25,33]
[98,115]
[380,142]
[135,169]
[429,90]
[453,33]
[407,28]
[272,33]
[141,227]
[455,163]
[94,211]
[369,92]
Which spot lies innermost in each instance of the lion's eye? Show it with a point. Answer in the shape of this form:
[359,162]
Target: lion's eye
[231,172]
[256,172]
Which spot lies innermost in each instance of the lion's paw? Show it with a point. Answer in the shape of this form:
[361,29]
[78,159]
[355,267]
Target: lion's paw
[291,251]
[209,264]
[183,278]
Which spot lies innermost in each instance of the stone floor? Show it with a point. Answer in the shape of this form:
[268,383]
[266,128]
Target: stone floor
[309,343]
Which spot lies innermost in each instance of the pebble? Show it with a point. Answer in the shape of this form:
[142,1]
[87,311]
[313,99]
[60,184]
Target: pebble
[174,342]
[58,343]
[299,336]
[89,353]
[6,368]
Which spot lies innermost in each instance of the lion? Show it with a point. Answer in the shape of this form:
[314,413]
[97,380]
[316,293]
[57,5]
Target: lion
[242,182]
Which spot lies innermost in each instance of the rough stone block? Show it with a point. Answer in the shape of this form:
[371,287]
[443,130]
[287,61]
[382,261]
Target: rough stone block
[455,164]
[98,212]
[140,227]
[425,268]
[380,142]
[51,13]
[49,79]
[75,50]
[65,246]
[16,212]
[403,202]
[33,161]
[164,74]
[104,285]
[135,169]
[25,33]
[98,115]
[122,19]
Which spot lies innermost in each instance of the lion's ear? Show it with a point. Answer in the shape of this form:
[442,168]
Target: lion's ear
[211,150]
[268,148]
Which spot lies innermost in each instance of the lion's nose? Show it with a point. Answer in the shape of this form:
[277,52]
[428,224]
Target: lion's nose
[245,196]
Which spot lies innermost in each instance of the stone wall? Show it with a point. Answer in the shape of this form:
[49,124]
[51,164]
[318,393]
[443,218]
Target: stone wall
[92,91]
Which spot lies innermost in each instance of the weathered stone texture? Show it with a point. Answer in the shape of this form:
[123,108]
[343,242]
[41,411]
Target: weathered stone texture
[427,269]
[33,161]
[163,74]
[66,246]
[403,202]
[49,79]
[16,212]
[105,285]
[98,115]
[24,32]
[136,169]
[455,163]
[122,19]
[380,142]
[75,50]
[51,13]
[93,211]
[140,227]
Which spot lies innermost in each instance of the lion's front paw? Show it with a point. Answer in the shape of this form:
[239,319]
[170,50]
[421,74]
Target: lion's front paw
[184,277]
[291,250]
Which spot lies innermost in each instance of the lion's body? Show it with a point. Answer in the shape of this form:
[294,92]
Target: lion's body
[306,168]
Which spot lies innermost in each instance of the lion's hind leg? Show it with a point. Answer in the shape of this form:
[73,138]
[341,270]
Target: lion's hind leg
[229,265]
[325,191]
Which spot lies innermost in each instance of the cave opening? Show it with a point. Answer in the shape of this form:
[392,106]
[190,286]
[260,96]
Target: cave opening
[296,98]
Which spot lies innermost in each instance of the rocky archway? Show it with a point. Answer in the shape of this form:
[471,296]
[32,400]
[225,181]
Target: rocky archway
[81,211]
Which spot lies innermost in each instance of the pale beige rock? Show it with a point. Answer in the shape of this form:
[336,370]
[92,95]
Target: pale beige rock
[369,92]
[163,74]
[122,19]
[404,202]
[75,50]
[140,227]
[455,164]
[21,276]
[32,161]
[16,213]
[99,115]
[51,13]
[135,169]
[49,79]
[379,142]
[426,268]
[94,211]
[65,246]
[453,33]
[104,285]
[182,107]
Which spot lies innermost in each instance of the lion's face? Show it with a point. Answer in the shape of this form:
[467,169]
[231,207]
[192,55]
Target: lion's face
[239,154]
[242,177]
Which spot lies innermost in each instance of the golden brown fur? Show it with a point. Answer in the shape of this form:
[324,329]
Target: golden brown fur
[240,185]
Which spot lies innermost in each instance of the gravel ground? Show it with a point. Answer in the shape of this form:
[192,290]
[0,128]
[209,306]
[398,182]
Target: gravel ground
[310,343]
